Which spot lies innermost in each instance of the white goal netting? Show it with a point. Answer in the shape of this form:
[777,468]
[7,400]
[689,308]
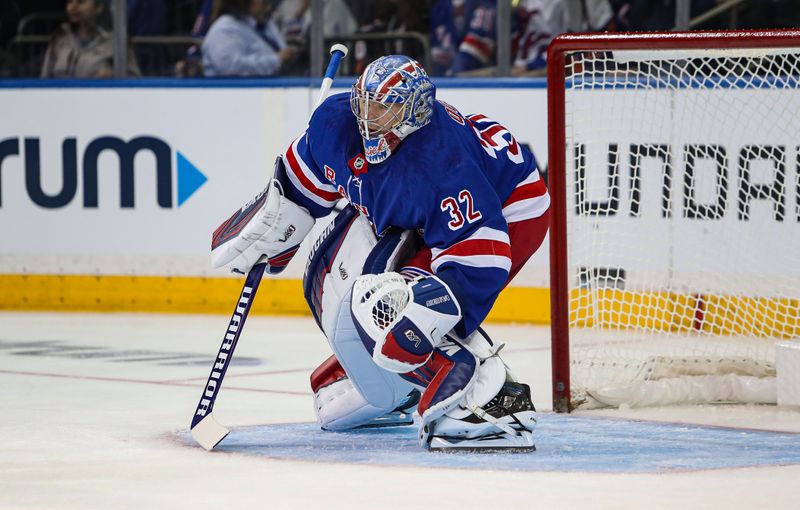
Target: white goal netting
[683,212]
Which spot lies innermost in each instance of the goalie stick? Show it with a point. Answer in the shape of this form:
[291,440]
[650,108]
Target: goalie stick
[207,431]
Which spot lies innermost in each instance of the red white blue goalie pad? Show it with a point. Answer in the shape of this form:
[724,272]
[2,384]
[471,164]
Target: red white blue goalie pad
[268,226]
[346,248]
[401,323]
[447,375]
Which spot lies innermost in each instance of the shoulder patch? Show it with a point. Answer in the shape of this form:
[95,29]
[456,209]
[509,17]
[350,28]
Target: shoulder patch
[452,112]
[358,165]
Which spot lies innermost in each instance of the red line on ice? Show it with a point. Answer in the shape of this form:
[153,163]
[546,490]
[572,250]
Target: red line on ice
[252,374]
[140,381]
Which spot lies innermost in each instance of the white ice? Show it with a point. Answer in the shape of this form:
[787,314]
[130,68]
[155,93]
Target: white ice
[96,432]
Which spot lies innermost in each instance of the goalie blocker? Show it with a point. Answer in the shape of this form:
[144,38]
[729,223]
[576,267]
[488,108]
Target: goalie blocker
[269,227]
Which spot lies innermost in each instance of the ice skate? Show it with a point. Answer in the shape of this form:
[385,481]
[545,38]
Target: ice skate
[506,423]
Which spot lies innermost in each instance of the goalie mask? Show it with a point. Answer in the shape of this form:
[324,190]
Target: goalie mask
[391,99]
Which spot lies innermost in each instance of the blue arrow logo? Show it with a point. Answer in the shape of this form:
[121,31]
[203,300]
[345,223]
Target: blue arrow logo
[190,179]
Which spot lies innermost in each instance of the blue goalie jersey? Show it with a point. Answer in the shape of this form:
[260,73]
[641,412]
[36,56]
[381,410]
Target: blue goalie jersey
[458,181]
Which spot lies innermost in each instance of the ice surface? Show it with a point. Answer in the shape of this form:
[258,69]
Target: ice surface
[564,443]
[98,406]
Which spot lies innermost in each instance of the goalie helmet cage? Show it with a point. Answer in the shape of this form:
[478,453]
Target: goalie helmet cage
[674,171]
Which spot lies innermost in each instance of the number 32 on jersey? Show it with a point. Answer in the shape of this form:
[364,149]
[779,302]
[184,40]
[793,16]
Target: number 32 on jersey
[451,206]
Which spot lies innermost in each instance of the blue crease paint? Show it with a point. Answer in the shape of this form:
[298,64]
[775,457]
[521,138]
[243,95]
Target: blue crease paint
[564,444]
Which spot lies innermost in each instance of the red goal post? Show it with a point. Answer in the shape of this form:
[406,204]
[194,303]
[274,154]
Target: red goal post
[562,53]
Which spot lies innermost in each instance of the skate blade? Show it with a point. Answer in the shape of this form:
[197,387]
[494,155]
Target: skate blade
[380,423]
[387,420]
[498,444]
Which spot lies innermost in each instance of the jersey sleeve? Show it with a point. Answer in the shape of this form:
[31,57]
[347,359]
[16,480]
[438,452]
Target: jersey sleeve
[470,249]
[303,182]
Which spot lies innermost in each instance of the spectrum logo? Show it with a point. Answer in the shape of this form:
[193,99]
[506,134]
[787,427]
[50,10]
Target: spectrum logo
[188,178]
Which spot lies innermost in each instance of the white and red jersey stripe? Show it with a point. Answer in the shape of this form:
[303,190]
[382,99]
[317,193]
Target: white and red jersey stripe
[492,137]
[528,200]
[486,247]
[306,182]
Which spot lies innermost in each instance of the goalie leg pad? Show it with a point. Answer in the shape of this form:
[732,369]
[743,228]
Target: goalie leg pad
[336,253]
[380,391]
[449,373]
[339,405]
[368,393]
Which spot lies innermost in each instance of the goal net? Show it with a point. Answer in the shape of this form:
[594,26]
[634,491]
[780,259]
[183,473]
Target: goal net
[675,173]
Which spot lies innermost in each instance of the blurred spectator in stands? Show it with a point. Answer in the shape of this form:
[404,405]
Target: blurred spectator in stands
[81,47]
[147,17]
[447,25]
[656,14]
[390,17]
[294,18]
[477,41]
[208,13]
[464,32]
[192,65]
[545,19]
[244,41]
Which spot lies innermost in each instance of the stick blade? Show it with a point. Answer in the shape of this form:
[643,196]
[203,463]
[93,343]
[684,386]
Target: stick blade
[208,432]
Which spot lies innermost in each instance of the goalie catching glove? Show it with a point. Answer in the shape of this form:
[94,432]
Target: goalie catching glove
[401,323]
[268,226]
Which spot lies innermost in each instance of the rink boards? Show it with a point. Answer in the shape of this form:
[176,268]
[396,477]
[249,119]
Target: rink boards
[109,191]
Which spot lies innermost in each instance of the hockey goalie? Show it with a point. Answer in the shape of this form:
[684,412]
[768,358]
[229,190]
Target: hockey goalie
[443,210]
